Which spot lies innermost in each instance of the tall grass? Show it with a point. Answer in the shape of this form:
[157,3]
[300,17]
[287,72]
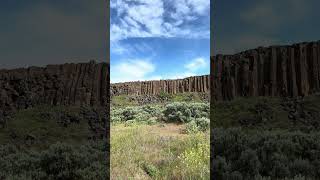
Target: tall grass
[137,153]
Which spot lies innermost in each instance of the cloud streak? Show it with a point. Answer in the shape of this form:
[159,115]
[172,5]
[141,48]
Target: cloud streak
[131,70]
[196,64]
[144,69]
[158,18]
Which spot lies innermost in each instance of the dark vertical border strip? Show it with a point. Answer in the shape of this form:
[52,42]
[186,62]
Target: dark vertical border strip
[107,124]
[211,86]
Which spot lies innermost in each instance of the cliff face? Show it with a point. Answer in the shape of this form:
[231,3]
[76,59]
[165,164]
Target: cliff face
[67,84]
[190,84]
[272,71]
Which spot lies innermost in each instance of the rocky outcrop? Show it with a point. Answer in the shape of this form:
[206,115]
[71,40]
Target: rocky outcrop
[67,84]
[267,71]
[190,84]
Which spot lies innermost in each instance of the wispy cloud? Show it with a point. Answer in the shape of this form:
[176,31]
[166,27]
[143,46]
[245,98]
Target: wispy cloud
[193,68]
[144,69]
[196,64]
[141,28]
[132,70]
[158,18]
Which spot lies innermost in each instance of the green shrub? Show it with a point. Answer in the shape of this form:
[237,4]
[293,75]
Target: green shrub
[203,123]
[199,124]
[185,112]
[192,127]
[265,154]
[173,112]
[60,161]
[165,96]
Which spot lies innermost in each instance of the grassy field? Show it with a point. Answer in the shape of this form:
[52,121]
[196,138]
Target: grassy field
[50,143]
[45,129]
[158,152]
[160,141]
[266,138]
[268,112]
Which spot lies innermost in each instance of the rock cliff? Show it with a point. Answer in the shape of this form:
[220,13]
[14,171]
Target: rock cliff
[190,84]
[66,84]
[267,71]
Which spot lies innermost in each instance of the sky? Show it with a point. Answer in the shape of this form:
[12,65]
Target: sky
[41,32]
[247,24]
[159,39]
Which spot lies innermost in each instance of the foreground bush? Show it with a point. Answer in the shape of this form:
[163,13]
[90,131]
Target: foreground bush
[173,112]
[185,112]
[239,154]
[199,124]
[59,161]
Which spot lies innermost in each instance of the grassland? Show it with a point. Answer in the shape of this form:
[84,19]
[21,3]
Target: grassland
[168,140]
[266,138]
[50,143]
[158,152]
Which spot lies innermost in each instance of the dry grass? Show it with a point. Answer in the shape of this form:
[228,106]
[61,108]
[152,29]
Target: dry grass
[157,152]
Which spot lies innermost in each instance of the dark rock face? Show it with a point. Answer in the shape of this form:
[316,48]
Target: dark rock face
[67,84]
[190,84]
[287,71]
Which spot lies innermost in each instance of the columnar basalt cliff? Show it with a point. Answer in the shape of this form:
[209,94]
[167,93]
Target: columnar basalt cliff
[67,84]
[190,84]
[267,71]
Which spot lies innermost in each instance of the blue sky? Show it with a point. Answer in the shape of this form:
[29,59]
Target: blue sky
[159,39]
[41,32]
[245,24]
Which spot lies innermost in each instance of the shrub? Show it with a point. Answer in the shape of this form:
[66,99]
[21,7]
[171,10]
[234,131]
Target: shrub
[199,124]
[177,112]
[59,161]
[267,154]
[165,96]
[203,123]
[192,127]
[185,112]
[173,112]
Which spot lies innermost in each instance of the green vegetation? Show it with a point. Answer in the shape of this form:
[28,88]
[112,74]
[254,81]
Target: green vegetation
[45,126]
[178,112]
[275,154]
[267,138]
[269,112]
[122,101]
[52,143]
[162,98]
[167,140]
[158,152]
[59,161]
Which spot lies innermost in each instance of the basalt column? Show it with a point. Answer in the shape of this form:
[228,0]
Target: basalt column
[190,84]
[67,84]
[267,71]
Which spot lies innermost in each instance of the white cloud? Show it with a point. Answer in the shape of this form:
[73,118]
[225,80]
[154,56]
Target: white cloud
[132,49]
[188,9]
[196,64]
[179,75]
[132,70]
[146,18]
